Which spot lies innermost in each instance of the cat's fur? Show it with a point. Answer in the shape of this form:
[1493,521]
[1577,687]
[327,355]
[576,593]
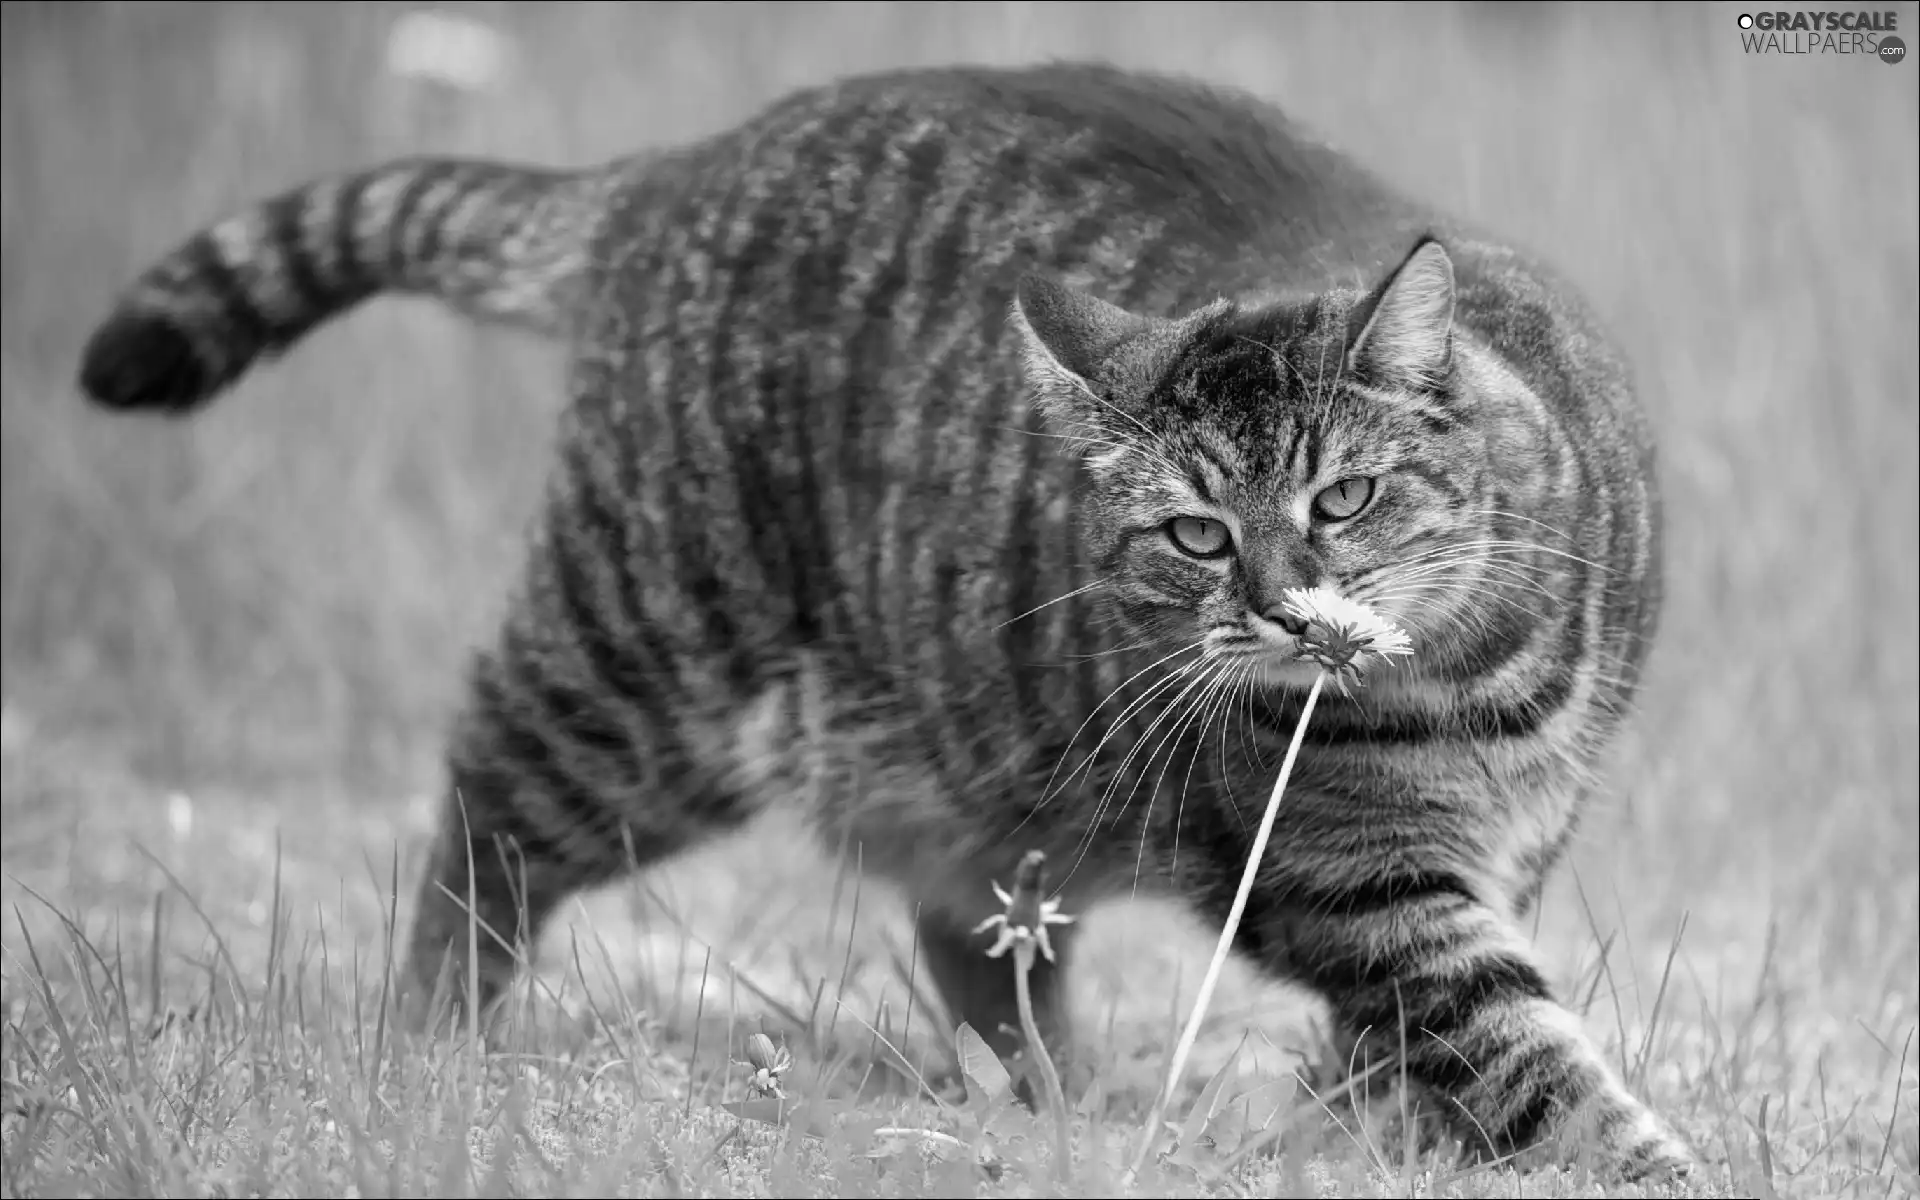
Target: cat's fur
[881,403]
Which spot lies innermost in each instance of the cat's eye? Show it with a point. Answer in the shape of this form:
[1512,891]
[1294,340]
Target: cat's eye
[1343,499]
[1199,536]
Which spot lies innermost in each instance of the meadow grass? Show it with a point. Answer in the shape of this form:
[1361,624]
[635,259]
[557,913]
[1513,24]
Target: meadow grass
[229,645]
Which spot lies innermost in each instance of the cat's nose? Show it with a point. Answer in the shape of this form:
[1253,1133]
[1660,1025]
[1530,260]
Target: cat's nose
[1279,615]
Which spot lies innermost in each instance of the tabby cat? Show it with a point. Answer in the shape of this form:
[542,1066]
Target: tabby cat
[939,447]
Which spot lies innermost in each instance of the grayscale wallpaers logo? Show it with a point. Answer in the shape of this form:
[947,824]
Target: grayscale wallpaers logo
[1867,34]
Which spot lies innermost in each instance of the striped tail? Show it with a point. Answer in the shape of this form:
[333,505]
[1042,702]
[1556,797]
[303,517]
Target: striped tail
[500,243]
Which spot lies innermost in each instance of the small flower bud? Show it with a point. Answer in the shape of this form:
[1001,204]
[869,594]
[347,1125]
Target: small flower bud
[1029,880]
[1025,913]
[761,1055]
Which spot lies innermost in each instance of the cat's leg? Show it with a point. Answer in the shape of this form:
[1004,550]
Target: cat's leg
[1483,1031]
[493,880]
[553,791]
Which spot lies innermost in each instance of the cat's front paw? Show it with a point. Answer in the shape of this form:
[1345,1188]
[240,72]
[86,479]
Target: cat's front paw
[1618,1137]
[1645,1148]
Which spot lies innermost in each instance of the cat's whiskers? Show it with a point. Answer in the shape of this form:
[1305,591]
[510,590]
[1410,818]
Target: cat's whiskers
[1048,792]
[1481,541]
[1172,711]
[1201,710]
[1129,648]
[1479,569]
[1522,517]
[1461,565]
[1443,634]
[1439,587]
[1217,702]
[1079,591]
[1089,764]
[1483,569]
[1418,596]
[1474,551]
[1249,739]
[1430,591]
[1454,616]
[1205,669]
[1532,547]
[1238,685]
[1173,676]
[1157,688]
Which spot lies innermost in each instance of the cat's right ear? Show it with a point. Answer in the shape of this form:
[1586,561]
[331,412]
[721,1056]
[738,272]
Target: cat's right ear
[1067,334]
[1407,341]
[1088,360]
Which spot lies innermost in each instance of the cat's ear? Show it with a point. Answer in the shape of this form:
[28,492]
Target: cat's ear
[1407,340]
[1086,357]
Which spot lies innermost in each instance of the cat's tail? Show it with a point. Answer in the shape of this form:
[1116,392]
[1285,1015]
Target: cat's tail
[498,242]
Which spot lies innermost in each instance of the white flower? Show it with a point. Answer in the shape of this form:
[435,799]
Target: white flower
[1344,636]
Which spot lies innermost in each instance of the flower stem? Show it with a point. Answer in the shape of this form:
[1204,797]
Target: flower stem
[1255,857]
[1037,1051]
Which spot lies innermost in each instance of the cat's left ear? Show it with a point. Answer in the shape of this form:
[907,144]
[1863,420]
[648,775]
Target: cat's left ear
[1407,340]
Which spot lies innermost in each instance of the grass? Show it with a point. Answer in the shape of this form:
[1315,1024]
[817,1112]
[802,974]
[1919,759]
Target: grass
[228,645]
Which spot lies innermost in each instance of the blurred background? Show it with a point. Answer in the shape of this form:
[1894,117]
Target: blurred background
[263,612]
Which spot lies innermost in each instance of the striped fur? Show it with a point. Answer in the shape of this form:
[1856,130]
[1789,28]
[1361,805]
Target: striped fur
[881,404]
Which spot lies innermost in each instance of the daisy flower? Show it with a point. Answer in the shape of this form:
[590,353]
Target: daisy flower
[1345,638]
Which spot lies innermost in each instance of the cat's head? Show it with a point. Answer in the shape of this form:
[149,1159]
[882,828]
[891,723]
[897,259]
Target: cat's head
[1235,453]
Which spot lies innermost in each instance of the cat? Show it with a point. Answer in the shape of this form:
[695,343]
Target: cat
[940,447]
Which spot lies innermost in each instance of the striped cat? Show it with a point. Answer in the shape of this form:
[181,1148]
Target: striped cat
[939,446]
